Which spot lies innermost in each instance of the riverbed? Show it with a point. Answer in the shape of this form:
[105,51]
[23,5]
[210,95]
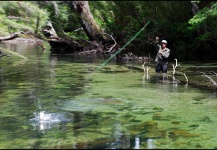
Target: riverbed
[66,101]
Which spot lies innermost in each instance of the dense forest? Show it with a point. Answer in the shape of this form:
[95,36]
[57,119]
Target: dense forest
[106,26]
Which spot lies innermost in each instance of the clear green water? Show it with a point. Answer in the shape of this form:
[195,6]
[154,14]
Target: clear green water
[115,107]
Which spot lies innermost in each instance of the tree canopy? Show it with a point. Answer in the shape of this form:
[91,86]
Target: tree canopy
[191,34]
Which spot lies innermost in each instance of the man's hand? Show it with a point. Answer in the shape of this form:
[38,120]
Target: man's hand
[160,53]
[156,40]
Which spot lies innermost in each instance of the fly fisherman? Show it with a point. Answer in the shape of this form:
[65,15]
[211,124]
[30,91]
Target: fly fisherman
[162,56]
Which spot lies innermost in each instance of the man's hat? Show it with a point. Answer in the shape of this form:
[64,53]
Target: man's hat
[164,41]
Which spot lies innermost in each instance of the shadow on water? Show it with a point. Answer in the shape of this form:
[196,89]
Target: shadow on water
[57,101]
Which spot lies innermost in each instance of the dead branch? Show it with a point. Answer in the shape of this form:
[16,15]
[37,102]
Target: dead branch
[174,79]
[40,44]
[186,78]
[113,40]
[213,72]
[129,56]
[211,80]
[174,67]
[79,29]
[145,69]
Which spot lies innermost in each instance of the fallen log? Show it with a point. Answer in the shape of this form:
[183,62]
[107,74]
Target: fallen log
[59,45]
[12,36]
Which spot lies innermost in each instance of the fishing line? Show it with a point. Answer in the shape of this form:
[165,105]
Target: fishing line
[14,53]
[113,55]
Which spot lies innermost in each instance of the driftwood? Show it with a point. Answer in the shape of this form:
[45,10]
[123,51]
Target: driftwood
[131,56]
[60,45]
[12,36]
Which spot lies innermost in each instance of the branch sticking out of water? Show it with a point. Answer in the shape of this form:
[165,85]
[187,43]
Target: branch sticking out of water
[211,80]
[174,67]
[213,72]
[186,79]
[145,69]
[174,79]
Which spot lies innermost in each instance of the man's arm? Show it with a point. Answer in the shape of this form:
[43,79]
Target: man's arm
[165,53]
[157,45]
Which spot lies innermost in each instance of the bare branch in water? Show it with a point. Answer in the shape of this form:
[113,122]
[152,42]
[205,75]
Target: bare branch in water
[174,79]
[186,78]
[211,80]
[174,67]
[213,72]
[145,69]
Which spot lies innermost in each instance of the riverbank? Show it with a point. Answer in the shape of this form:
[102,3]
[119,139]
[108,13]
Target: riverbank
[20,39]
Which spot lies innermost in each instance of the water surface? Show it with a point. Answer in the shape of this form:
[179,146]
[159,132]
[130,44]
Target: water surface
[54,101]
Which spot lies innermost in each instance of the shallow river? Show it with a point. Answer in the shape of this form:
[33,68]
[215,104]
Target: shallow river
[53,101]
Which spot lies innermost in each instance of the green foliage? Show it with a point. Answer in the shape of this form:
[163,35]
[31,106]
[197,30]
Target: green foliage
[204,23]
[170,20]
[203,15]
[64,21]
[25,16]
[77,35]
[103,13]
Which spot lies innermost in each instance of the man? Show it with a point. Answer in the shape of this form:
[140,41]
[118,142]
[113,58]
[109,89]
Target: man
[162,56]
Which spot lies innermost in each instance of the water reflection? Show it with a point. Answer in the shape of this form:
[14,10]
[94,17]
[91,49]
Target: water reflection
[121,139]
[137,146]
[146,78]
[151,144]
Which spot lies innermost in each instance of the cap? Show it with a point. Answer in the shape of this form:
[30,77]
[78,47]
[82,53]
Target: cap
[164,41]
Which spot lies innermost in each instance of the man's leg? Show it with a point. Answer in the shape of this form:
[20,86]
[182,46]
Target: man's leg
[158,70]
[164,68]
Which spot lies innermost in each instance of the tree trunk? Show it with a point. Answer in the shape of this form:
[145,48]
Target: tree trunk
[194,8]
[37,24]
[87,21]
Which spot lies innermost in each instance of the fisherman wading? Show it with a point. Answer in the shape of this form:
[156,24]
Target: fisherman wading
[162,56]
